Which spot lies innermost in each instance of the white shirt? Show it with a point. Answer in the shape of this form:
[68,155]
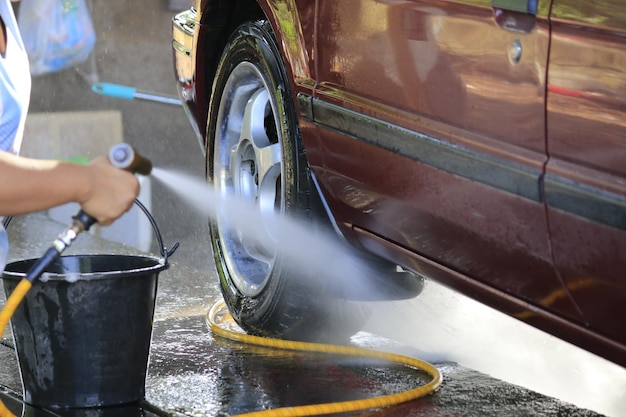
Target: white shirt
[15,83]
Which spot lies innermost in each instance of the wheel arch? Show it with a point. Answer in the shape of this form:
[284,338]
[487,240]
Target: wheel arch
[220,18]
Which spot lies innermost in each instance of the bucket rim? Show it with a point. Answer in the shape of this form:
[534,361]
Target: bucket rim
[160,264]
[165,253]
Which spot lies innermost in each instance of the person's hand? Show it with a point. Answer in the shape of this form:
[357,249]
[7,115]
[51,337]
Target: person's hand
[111,193]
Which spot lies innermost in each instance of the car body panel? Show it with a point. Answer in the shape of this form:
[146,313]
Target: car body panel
[458,105]
[452,137]
[185,31]
[586,174]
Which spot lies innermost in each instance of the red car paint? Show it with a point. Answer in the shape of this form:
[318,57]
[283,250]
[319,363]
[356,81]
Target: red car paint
[480,143]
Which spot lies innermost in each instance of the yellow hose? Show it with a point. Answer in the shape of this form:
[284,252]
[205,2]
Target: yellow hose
[24,286]
[335,407]
[11,304]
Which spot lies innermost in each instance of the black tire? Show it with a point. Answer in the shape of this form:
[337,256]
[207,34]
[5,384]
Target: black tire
[264,292]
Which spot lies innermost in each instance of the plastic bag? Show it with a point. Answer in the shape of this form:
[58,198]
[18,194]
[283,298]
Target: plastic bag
[57,34]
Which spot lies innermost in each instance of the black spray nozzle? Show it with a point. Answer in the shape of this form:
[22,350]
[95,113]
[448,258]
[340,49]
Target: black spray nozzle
[81,221]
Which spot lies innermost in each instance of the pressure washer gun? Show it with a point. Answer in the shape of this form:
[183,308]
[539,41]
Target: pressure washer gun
[122,156]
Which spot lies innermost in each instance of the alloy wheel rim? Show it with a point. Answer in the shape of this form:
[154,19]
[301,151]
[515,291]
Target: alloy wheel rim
[248,165]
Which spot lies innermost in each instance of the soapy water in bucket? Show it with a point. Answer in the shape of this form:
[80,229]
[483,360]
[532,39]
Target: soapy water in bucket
[69,277]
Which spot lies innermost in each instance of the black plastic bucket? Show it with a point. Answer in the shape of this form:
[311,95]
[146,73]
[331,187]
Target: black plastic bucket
[83,331]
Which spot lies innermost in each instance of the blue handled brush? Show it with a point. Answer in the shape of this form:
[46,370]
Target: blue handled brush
[131,93]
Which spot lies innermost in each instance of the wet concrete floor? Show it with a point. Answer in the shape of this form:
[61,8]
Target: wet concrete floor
[194,373]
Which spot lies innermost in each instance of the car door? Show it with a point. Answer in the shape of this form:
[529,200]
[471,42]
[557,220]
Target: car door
[585,183]
[431,125]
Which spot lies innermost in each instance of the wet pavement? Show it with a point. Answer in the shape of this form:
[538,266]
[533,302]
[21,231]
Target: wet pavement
[193,373]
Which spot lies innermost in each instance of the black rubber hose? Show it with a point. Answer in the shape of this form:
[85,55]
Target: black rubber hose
[42,263]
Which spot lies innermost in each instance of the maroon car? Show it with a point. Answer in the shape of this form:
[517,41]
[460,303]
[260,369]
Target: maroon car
[479,143]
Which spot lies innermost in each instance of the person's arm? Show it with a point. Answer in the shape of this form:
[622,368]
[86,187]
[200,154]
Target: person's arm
[29,185]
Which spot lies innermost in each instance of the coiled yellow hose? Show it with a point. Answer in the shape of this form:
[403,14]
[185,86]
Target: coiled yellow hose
[24,286]
[11,304]
[335,407]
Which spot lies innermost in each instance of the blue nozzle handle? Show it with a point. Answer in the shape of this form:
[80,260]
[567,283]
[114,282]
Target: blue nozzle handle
[114,90]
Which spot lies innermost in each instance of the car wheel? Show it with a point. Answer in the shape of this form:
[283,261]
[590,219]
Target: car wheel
[255,153]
